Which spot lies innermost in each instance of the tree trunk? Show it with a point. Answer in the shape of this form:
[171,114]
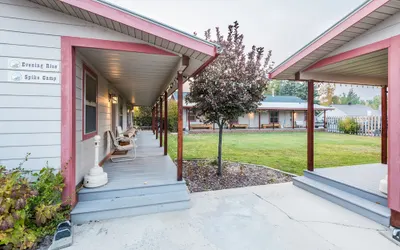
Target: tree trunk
[219,172]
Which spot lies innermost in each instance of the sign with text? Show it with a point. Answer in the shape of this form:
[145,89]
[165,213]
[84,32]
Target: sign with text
[33,64]
[33,77]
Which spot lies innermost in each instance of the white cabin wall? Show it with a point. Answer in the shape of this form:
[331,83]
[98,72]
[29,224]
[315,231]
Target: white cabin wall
[85,148]
[264,117]
[30,113]
[388,28]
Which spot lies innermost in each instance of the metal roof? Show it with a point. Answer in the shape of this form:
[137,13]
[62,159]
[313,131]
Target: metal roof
[289,106]
[356,109]
[270,98]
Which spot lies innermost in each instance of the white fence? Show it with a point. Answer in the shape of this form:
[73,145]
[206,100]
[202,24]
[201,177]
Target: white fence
[368,125]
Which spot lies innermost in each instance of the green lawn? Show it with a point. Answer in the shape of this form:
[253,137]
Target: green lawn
[285,151]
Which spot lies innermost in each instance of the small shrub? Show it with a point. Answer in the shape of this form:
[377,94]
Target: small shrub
[29,211]
[349,126]
[172,116]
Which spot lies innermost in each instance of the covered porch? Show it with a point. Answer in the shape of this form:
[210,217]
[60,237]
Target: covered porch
[360,49]
[103,78]
[145,185]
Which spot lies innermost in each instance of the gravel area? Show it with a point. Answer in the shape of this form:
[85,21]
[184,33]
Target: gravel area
[200,175]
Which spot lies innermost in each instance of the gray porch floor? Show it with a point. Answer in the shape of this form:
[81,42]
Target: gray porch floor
[151,167]
[365,177]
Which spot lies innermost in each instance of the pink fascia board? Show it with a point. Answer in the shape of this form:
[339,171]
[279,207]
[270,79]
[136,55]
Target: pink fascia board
[141,24]
[356,17]
[115,45]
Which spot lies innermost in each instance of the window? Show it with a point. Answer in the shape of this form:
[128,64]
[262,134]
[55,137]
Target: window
[89,103]
[192,116]
[274,117]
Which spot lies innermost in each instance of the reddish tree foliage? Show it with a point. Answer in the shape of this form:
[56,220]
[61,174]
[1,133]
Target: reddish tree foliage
[232,85]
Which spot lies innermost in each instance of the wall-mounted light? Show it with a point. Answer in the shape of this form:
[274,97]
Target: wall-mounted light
[113,98]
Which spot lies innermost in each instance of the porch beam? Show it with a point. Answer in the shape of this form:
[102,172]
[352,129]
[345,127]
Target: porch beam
[337,78]
[161,122]
[156,118]
[259,119]
[180,127]
[165,123]
[310,126]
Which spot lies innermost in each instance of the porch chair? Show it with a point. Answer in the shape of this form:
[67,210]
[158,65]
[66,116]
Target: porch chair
[119,150]
[129,133]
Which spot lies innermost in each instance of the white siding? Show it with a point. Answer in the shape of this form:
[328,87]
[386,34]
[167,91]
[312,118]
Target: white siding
[299,116]
[285,119]
[264,117]
[30,113]
[85,148]
[388,28]
[244,119]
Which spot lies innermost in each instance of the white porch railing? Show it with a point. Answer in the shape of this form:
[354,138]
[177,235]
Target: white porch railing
[368,125]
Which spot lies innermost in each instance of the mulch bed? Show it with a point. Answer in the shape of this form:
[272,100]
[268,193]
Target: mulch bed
[200,175]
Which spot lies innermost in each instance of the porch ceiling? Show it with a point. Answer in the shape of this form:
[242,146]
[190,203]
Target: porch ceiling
[138,77]
[372,65]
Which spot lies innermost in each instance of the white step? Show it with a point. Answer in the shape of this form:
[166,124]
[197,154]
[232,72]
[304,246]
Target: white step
[103,209]
[373,197]
[87,194]
[371,210]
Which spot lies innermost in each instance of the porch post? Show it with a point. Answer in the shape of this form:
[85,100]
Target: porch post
[259,119]
[394,133]
[180,127]
[324,118]
[293,119]
[156,120]
[310,126]
[152,120]
[384,137]
[161,122]
[165,123]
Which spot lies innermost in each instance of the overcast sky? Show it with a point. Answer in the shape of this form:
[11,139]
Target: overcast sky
[284,26]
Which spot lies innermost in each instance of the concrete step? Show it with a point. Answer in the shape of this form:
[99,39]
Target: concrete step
[103,209]
[373,197]
[91,194]
[371,210]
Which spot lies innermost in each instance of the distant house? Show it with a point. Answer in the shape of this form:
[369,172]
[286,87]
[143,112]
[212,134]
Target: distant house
[273,112]
[351,110]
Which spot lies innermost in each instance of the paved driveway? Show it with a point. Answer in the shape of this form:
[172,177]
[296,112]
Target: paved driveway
[274,217]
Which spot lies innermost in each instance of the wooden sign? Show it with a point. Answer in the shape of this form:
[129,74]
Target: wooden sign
[33,77]
[33,64]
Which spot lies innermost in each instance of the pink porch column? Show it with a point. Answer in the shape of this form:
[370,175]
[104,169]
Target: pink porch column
[394,133]
[68,122]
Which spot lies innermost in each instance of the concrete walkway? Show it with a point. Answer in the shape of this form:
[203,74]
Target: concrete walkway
[274,217]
